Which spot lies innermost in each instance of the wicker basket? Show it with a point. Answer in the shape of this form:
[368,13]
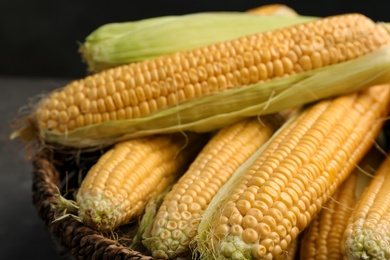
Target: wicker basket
[71,239]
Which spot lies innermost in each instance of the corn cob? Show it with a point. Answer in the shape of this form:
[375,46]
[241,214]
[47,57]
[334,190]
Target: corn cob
[323,238]
[202,89]
[270,200]
[367,235]
[116,44]
[117,187]
[176,222]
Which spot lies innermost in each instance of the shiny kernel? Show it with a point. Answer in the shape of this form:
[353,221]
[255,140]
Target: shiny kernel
[186,199]
[305,62]
[263,72]
[259,251]
[249,221]
[97,118]
[139,79]
[110,88]
[117,99]
[334,55]
[175,216]
[236,230]
[194,207]
[265,54]
[176,234]
[229,210]
[270,221]
[249,235]
[63,117]
[172,100]
[105,117]
[243,206]
[101,105]
[193,224]
[186,215]
[171,225]
[254,74]
[62,128]
[248,195]
[245,76]
[162,102]
[235,218]
[255,213]
[263,230]
[120,114]
[275,214]
[213,84]
[270,69]
[278,68]
[292,56]
[281,231]
[73,112]
[80,121]
[277,251]
[165,234]
[222,82]
[189,91]
[202,73]
[101,91]
[260,205]
[201,201]
[221,230]
[144,108]
[224,63]
[268,243]
[110,104]
[316,60]
[182,224]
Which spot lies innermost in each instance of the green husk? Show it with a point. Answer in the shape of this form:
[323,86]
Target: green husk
[215,111]
[119,43]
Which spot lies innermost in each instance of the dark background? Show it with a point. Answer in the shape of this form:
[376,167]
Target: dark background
[40,38]
[39,52]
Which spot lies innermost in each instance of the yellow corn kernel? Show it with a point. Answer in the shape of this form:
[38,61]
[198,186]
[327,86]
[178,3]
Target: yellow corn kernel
[294,176]
[117,187]
[168,83]
[183,206]
[367,234]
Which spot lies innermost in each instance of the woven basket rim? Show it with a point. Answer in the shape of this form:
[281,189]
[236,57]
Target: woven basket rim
[81,241]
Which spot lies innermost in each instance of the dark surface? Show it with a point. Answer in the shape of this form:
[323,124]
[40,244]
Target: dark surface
[22,232]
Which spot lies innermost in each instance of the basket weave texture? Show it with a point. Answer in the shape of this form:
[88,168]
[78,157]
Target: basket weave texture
[71,238]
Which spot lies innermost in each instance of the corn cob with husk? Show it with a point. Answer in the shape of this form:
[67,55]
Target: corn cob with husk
[177,219]
[116,188]
[367,235]
[323,238]
[275,195]
[116,44]
[210,87]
